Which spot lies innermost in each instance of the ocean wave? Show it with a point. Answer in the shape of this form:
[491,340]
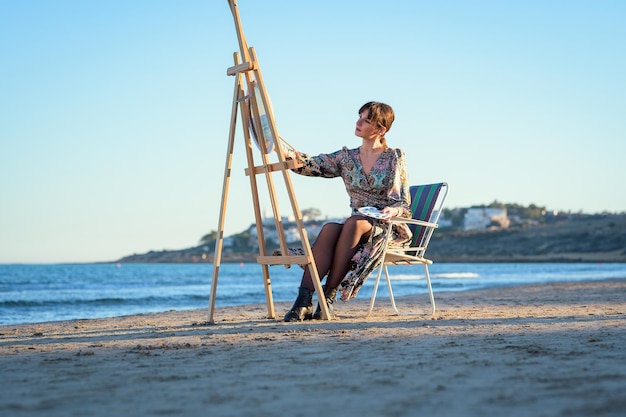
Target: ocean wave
[449,275]
[105,301]
[457,275]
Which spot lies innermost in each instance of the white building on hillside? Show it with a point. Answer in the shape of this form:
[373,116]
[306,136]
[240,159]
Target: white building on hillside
[484,217]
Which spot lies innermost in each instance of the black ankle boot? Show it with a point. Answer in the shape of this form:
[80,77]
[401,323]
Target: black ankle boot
[330,299]
[302,307]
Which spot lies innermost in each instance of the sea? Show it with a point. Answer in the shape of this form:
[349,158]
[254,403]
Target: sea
[43,293]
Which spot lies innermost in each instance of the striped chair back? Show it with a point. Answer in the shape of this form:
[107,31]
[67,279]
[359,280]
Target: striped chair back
[423,199]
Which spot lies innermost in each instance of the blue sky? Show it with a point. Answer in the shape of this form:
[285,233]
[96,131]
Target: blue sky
[115,115]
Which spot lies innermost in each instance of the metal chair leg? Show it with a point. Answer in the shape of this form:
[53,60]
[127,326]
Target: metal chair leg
[373,299]
[430,290]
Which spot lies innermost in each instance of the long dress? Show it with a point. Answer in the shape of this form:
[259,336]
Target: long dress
[386,185]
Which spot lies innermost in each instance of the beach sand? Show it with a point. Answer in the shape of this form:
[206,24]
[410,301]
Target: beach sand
[538,350]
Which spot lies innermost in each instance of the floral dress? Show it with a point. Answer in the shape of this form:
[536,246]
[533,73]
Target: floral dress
[386,185]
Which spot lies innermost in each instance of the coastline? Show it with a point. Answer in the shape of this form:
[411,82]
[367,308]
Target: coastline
[548,349]
[172,257]
[573,238]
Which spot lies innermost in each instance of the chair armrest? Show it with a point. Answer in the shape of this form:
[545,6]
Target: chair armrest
[413,221]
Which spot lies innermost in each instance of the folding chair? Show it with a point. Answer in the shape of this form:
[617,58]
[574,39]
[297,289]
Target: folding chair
[426,204]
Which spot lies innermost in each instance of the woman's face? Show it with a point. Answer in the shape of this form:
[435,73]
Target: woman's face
[365,129]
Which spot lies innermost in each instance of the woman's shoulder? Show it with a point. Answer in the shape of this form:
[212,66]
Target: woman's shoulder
[346,149]
[398,152]
[347,152]
[341,155]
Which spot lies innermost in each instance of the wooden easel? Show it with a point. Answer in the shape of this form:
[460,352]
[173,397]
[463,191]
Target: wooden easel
[250,99]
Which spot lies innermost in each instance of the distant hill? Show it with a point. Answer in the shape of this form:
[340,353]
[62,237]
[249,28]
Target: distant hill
[578,238]
[572,238]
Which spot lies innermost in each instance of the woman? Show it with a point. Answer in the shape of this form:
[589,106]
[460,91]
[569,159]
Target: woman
[374,175]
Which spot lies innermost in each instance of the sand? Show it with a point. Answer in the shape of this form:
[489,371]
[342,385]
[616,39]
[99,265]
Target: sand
[538,350]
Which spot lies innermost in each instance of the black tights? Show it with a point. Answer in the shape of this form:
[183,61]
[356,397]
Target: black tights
[334,247]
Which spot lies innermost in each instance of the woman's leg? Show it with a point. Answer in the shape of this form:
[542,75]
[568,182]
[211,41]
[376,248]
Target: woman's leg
[333,249]
[323,250]
[356,230]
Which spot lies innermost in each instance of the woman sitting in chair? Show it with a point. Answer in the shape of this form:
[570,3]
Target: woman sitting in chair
[374,175]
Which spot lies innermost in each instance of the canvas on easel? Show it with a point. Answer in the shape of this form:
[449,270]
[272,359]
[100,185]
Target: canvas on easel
[251,102]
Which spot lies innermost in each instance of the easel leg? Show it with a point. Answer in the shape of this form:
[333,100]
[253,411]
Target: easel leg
[238,93]
[246,116]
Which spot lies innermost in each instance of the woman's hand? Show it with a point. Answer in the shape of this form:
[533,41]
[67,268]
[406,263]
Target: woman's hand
[391,211]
